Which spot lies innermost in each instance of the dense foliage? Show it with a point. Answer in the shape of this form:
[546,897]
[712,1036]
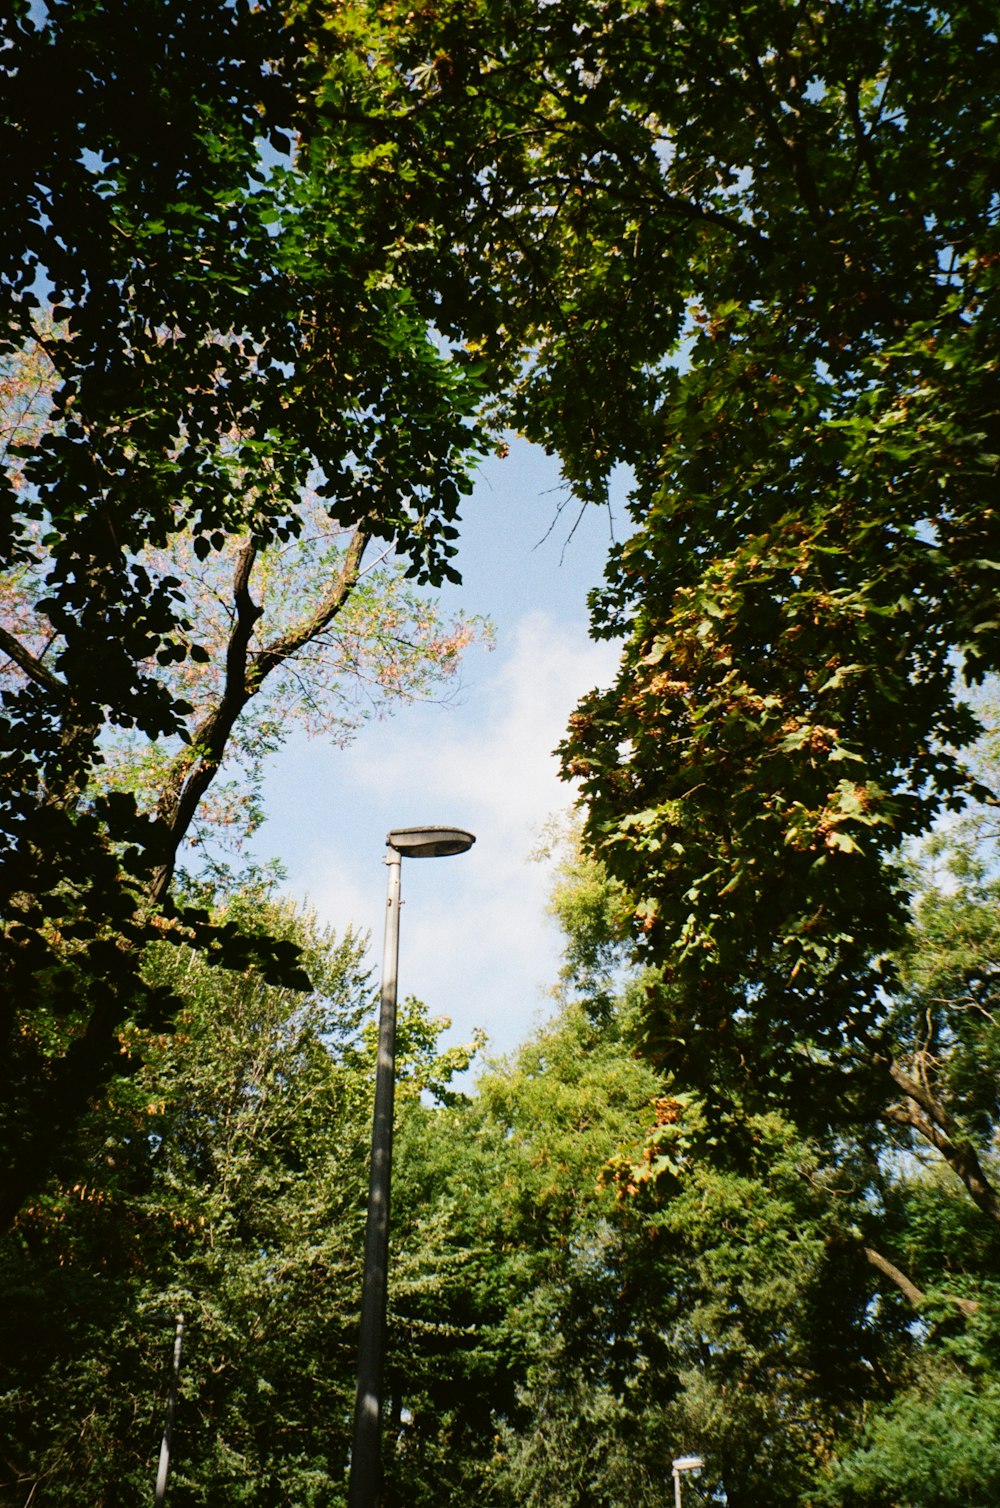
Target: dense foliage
[223,1181]
[749,253]
[590,1273]
[218,393]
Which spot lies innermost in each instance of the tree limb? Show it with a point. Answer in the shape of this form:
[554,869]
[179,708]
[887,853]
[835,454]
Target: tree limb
[30,664]
[882,1264]
[921,1095]
[923,1113]
[908,1289]
[329,606]
[194,769]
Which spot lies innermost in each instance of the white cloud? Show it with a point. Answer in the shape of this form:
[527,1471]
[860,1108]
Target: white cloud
[475,942]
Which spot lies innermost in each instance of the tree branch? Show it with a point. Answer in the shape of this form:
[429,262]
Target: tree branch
[921,1095]
[194,769]
[909,1290]
[30,664]
[329,606]
[921,1112]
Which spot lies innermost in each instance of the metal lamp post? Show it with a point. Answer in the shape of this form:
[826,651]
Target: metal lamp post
[163,1469]
[415,843]
[684,1463]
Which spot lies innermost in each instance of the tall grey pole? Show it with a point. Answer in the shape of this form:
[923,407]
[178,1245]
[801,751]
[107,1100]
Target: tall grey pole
[365,1455]
[163,1469]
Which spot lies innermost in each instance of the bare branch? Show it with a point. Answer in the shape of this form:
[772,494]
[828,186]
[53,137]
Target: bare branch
[909,1290]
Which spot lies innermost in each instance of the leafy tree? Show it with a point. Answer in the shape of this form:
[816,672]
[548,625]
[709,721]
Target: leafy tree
[751,254]
[919,1446]
[503,1228]
[811,1294]
[214,1186]
[945,1025]
[813,511]
[195,339]
[591,1279]
[937,1446]
[594,1275]
[224,1180]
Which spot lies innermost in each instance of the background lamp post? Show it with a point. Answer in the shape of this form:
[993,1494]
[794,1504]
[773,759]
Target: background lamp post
[684,1463]
[415,843]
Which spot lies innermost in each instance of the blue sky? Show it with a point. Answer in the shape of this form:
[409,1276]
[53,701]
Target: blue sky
[475,942]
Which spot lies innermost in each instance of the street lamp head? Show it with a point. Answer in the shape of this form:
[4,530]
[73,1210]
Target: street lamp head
[429,842]
[688,1463]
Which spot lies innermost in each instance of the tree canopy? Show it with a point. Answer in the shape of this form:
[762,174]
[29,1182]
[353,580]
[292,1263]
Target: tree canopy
[748,253]
[220,392]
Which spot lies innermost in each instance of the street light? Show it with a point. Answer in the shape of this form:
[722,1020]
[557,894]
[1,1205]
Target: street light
[684,1463]
[415,843]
